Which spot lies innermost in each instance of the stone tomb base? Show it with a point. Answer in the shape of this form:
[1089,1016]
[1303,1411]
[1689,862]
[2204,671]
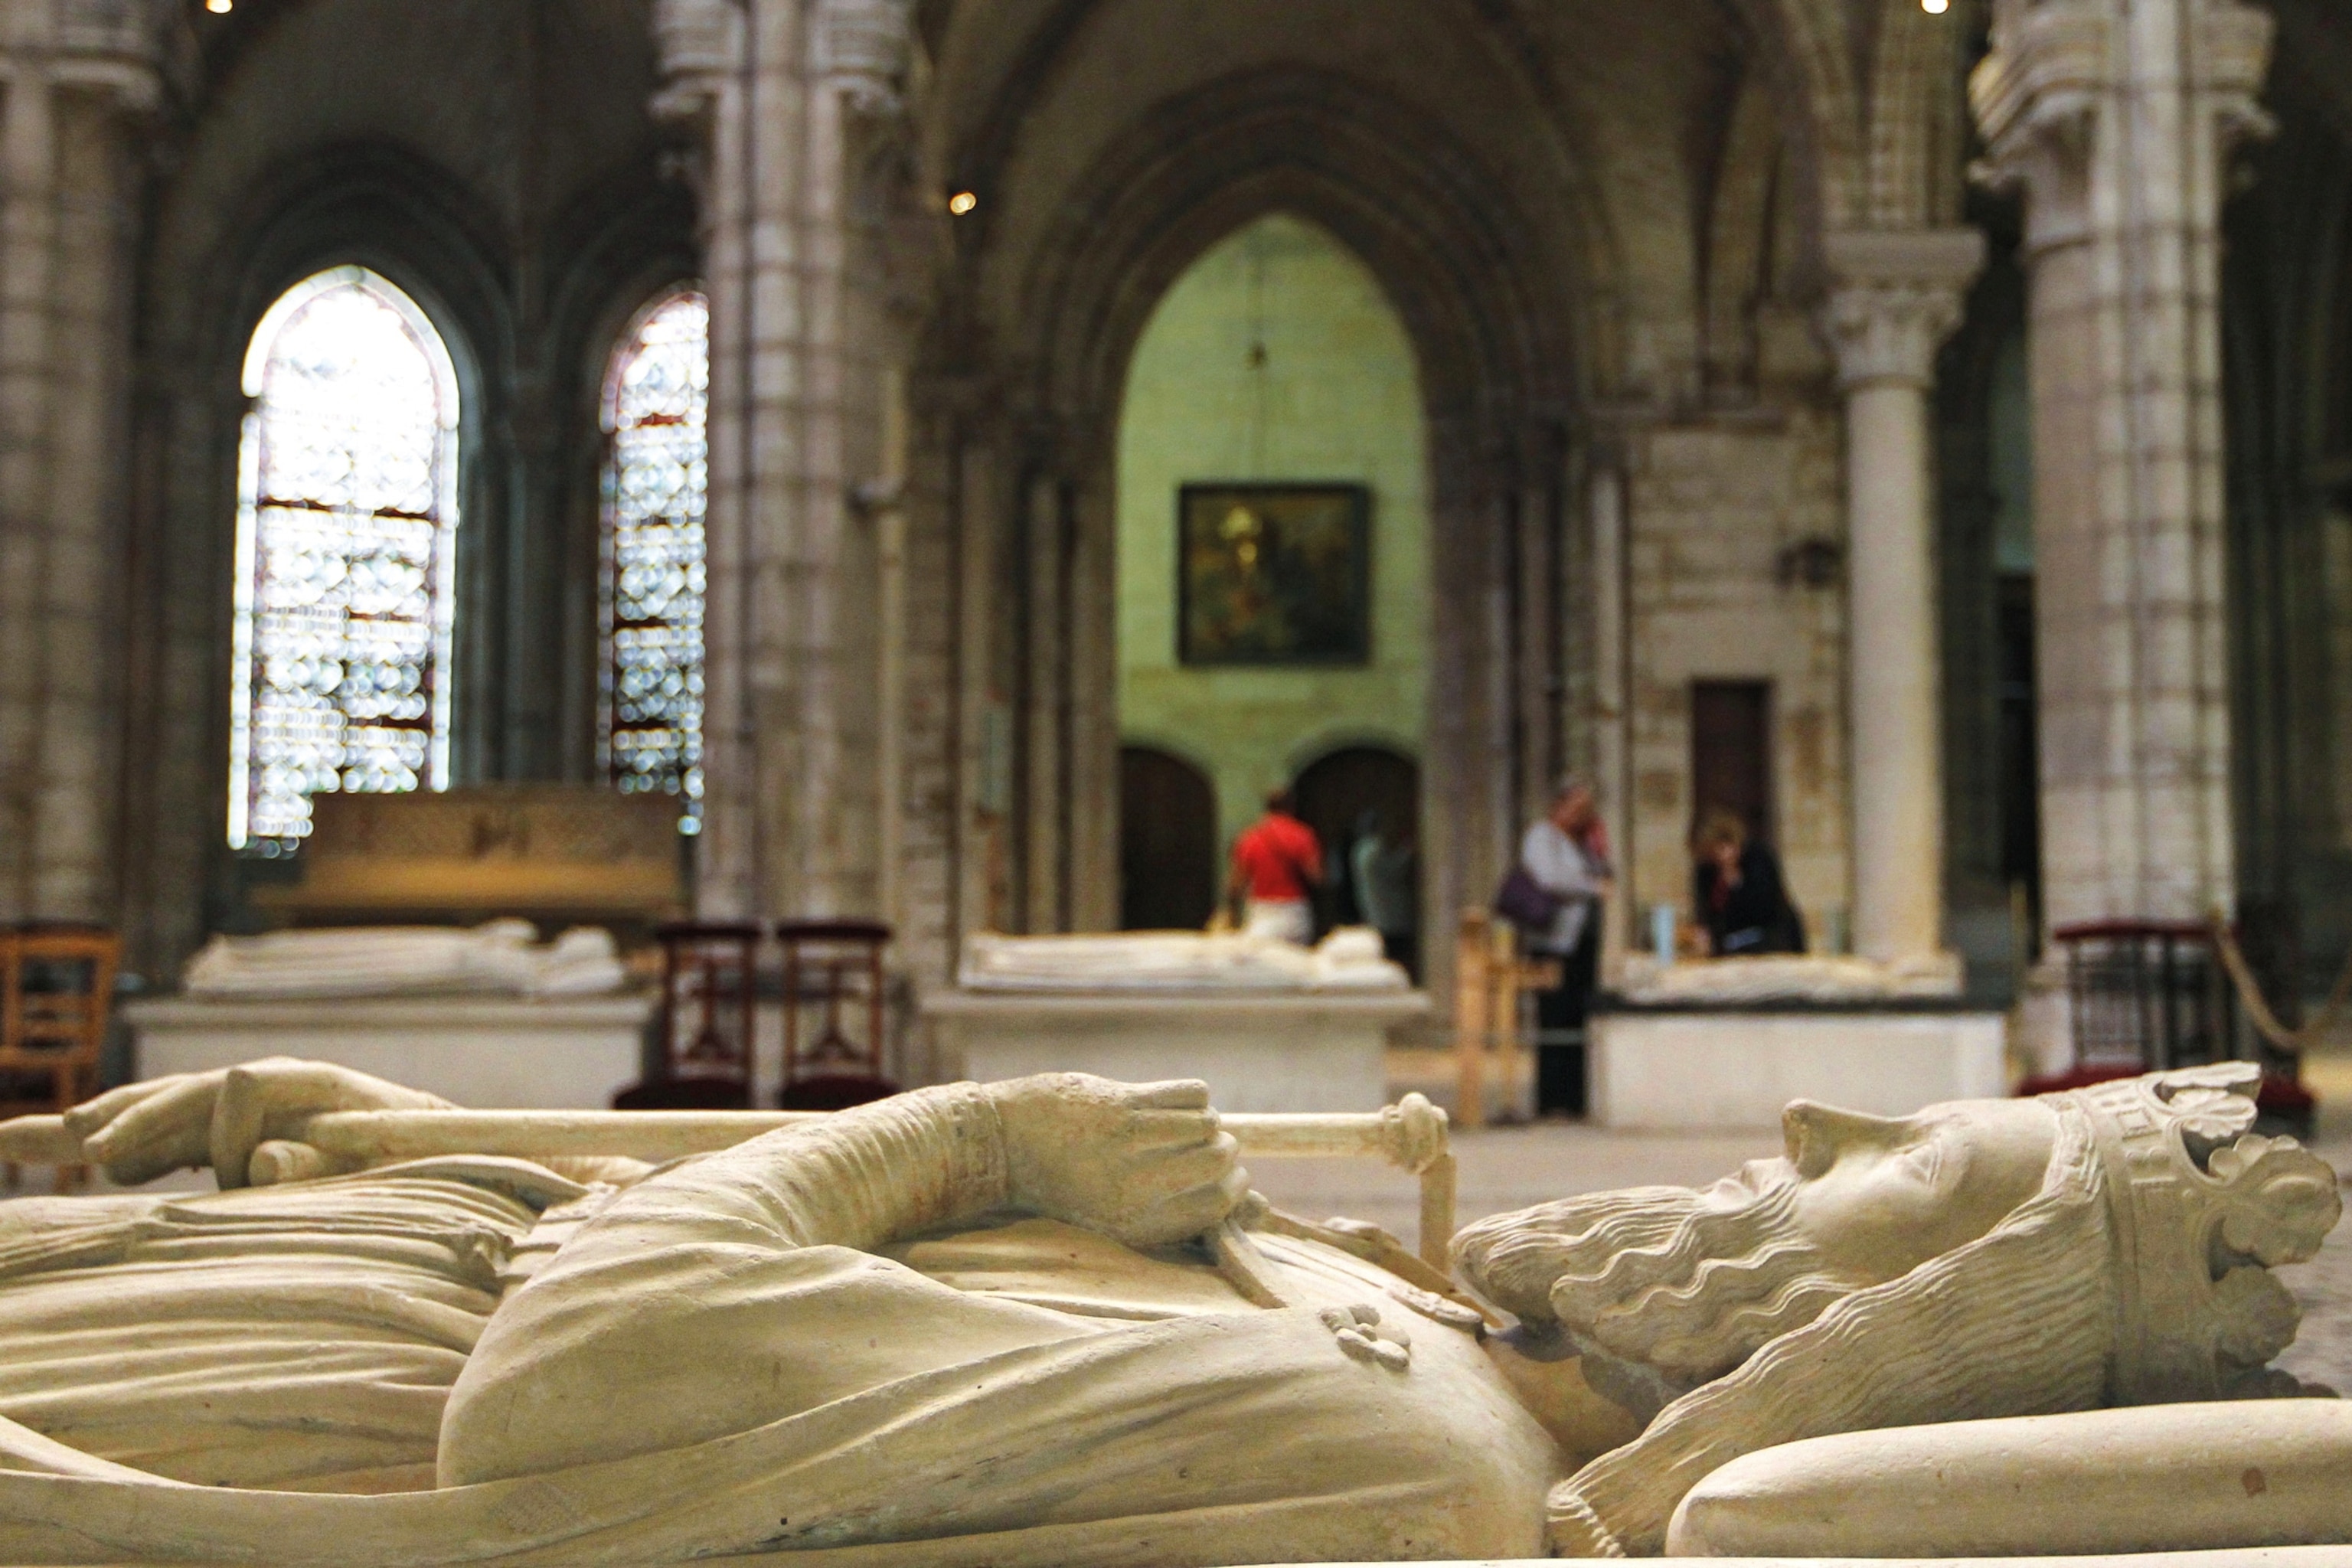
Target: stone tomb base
[482,1053]
[1660,1070]
[1319,1052]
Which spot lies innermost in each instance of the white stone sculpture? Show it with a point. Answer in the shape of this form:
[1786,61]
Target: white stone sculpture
[1162,963]
[1043,1322]
[1793,977]
[2106,1246]
[501,957]
[2155,1478]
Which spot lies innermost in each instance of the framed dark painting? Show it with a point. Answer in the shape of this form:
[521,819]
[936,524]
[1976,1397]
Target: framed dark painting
[1273,575]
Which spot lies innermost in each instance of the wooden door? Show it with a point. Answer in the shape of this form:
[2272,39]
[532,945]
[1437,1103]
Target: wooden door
[1167,842]
[1731,752]
[1335,793]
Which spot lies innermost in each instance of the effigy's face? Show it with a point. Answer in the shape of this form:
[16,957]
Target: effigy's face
[1877,1196]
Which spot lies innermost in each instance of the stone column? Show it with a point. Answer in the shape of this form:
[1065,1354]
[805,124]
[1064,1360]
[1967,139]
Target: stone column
[703,46]
[78,76]
[1895,297]
[1613,708]
[2115,117]
[768,92]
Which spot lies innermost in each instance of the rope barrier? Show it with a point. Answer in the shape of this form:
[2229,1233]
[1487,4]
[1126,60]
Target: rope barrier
[2258,1008]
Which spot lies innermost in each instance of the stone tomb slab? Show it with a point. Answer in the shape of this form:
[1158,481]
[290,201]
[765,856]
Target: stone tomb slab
[1314,1052]
[483,1053]
[1709,1068]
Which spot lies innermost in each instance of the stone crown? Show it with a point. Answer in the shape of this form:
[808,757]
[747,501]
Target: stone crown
[2201,1206]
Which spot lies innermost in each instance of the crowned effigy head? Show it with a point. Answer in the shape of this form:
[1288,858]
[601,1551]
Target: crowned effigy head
[2105,1246]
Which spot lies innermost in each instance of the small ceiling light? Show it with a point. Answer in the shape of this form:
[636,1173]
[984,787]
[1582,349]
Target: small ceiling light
[962,202]
[220,7]
[1935,7]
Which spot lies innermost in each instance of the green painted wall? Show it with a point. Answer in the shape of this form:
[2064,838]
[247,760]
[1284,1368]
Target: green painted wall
[1334,395]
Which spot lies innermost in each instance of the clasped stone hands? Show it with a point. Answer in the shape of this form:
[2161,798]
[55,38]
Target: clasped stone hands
[1146,1164]
[144,1131]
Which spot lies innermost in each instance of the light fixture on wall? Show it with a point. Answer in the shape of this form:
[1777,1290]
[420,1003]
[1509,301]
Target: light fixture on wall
[220,7]
[963,202]
[1935,7]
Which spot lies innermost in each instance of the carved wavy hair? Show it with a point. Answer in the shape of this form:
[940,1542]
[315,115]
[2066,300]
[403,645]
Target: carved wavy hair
[2016,1322]
[1688,1283]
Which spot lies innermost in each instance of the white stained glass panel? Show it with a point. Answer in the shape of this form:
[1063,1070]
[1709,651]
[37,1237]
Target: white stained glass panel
[657,411]
[345,531]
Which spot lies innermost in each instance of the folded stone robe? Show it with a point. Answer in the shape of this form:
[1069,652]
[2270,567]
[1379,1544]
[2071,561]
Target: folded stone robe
[795,1347]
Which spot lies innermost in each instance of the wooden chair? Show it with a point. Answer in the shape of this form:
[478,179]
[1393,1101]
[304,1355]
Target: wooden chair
[711,985]
[830,964]
[1490,980]
[57,995]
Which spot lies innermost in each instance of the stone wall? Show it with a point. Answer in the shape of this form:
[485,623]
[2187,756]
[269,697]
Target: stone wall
[1335,398]
[1715,508]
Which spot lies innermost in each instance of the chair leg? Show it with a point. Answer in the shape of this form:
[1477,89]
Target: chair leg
[73,1178]
[12,1176]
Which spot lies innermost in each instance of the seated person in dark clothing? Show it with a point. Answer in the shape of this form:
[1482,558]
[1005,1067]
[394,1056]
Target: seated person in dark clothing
[1737,893]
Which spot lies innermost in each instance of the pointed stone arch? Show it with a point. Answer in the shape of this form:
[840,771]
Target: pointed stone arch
[1500,328]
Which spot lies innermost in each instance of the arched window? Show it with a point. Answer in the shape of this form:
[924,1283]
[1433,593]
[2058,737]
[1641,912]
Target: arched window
[346,528]
[656,406]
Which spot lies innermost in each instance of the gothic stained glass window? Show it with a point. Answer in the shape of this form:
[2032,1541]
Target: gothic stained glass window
[656,409]
[346,525]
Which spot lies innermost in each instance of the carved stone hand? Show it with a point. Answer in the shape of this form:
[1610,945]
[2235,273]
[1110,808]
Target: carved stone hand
[1146,1164]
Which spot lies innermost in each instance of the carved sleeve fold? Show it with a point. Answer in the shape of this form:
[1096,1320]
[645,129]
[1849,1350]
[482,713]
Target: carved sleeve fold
[735,1290]
[859,1180]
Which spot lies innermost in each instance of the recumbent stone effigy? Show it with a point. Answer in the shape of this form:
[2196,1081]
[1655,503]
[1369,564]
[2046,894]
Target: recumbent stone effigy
[1044,1321]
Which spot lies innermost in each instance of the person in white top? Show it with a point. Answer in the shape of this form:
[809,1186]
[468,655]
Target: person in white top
[1566,851]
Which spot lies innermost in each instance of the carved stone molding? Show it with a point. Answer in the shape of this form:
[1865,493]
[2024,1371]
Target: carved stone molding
[118,48]
[2056,66]
[699,43]
[1895,297]
[861,49]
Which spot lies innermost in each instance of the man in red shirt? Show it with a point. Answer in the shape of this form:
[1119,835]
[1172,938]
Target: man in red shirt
[1278,865]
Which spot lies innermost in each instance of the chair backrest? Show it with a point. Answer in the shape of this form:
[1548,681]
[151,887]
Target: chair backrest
[709,994]
[56,994]
[836,966]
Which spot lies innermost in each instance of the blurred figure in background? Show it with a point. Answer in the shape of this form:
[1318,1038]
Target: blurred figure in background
[1737,896]
[1278,865]
[1566,854]
[1384,885]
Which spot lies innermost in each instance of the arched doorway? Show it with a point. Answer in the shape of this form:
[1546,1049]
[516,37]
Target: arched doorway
[1274,391]
[1167,842]
[1339,795]
[1280,173]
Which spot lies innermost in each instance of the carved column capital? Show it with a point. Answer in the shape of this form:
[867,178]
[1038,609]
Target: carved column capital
[2055,70]
[697,42]
[116,50]
[861,49]
[1895,297]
